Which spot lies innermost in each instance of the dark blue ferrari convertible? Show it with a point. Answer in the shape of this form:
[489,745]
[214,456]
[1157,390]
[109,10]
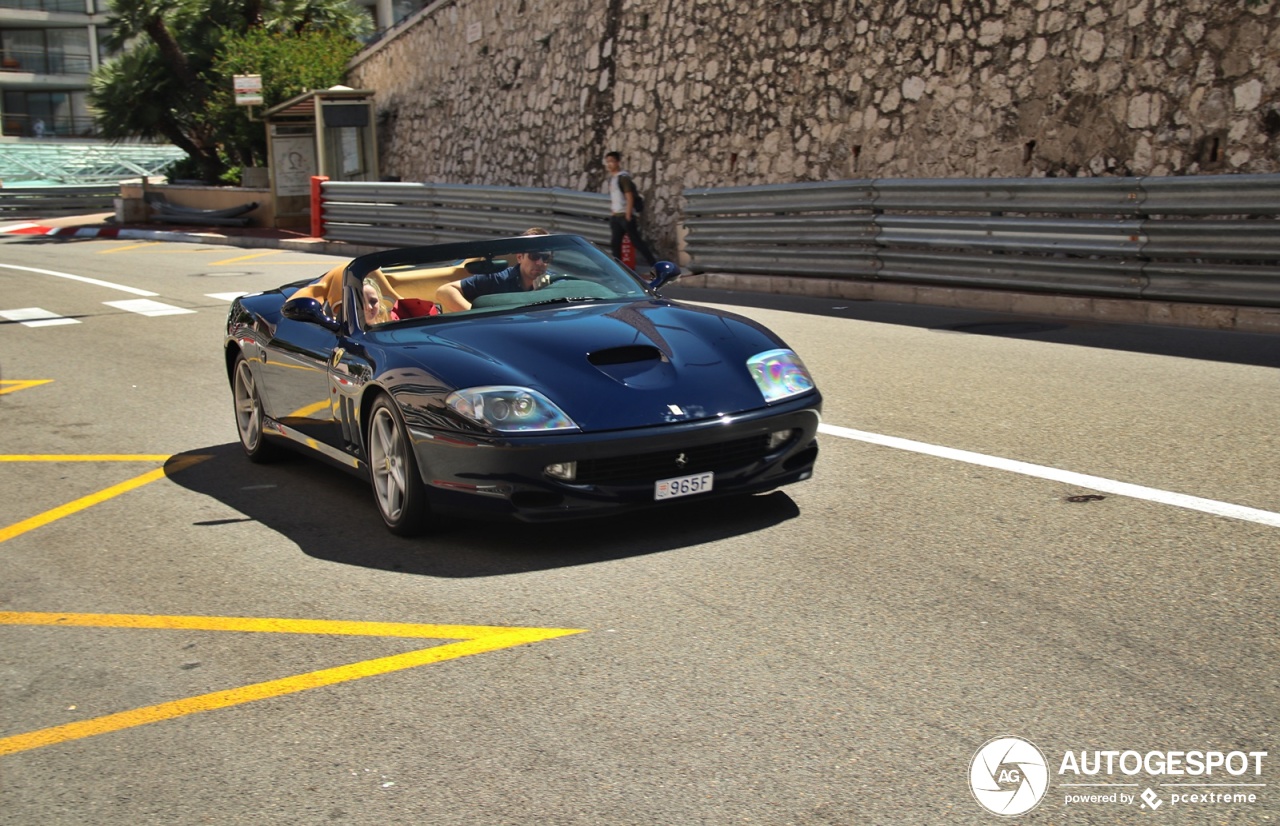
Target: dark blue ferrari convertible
[532,377]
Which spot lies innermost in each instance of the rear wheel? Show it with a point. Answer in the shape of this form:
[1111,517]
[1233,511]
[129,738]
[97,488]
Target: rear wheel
[397,486]
[249,415]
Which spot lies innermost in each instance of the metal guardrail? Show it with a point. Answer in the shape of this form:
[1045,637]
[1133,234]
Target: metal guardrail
[1201,238]
[404,214]
[44,200]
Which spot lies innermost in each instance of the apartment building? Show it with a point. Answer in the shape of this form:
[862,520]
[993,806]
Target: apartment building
[48,48]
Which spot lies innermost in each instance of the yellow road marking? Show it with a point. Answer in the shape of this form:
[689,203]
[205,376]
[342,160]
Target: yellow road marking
[14,385]
[130,247]
[42,519]
[88,457]
[239,258]
[476,639]
[260,625]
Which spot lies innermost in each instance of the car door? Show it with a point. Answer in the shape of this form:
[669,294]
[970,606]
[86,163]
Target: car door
[297,364]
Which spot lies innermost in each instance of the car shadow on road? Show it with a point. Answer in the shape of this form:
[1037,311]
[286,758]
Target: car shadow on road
[330,514]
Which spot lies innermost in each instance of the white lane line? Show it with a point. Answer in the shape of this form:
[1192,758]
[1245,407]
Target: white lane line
[226,296]
[36,317]
[1098,483]
[147,307]
[81,278]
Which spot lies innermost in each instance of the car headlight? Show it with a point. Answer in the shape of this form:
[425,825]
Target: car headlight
[509,409]
[780,374]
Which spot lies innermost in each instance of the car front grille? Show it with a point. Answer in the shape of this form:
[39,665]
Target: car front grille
[664,464]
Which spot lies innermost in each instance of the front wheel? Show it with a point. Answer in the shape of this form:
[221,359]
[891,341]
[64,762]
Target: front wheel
[397,486]
[249,415]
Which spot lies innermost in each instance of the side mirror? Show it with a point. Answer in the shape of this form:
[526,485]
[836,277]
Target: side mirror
[311,311]
[664,271]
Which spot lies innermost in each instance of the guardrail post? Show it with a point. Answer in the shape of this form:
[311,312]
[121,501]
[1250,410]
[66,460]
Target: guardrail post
[317,206]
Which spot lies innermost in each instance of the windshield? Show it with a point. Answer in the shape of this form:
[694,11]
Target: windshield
[450,280]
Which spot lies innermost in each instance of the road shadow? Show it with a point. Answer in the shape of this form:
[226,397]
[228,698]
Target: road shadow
[1258,349]
[330,514]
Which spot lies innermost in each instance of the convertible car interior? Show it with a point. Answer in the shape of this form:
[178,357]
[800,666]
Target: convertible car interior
[413,292]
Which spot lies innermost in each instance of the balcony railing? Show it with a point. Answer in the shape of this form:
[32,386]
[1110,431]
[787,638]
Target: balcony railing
[17,125]
[62,6]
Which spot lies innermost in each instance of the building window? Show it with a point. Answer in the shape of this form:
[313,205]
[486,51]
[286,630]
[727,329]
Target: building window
[46,51]
[59,6]
[47,114]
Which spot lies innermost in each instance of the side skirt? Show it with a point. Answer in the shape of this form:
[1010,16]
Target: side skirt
[332,454]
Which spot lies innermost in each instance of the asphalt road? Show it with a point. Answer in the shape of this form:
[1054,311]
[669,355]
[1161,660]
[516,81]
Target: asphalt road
[838,652]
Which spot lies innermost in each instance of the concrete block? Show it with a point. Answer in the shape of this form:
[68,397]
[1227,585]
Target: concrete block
[1118,311]
[1258,320]
[1204,315]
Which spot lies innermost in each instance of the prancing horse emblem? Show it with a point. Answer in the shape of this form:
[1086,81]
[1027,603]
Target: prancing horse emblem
[681,461]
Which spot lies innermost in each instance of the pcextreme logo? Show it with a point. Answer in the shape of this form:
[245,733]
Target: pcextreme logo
[1010,776]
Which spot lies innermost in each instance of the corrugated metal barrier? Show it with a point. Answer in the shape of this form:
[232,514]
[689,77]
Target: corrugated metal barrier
[48,200]
[1205,238]
[406,214]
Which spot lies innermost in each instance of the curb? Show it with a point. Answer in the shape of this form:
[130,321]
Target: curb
[192,236]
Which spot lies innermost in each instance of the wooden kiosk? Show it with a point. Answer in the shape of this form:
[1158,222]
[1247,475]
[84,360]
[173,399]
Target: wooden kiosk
[331,132]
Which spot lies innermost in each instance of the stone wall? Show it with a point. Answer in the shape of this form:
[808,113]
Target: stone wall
[701,93]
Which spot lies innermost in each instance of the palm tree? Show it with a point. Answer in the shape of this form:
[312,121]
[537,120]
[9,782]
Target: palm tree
[166,80]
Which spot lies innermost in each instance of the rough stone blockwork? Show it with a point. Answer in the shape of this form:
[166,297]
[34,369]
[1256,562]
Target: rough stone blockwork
[740,92]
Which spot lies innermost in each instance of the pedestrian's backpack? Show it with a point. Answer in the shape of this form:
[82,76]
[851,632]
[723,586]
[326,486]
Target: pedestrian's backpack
[638,204]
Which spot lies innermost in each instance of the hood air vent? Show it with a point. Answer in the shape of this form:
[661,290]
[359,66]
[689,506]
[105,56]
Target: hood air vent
[632,354]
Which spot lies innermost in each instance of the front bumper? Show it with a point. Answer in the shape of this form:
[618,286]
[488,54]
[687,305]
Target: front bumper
[617,470]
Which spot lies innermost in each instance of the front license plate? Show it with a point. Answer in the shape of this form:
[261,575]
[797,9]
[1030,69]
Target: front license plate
[682,486]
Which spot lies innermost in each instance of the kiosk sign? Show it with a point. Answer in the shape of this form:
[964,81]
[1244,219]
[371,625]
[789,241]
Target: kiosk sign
[248,89]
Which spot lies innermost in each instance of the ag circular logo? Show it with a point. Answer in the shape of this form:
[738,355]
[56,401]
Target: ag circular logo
[1008,776]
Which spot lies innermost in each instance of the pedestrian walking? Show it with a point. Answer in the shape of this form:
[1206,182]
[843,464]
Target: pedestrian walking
[625,204]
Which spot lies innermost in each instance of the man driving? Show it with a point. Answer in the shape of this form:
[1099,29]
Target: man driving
[527,273]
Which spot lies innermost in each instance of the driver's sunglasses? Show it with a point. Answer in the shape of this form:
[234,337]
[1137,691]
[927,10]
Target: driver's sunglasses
[539,256]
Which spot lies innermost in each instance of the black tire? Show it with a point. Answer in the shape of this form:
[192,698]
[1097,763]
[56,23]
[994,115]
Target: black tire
[393,471]
[249,415]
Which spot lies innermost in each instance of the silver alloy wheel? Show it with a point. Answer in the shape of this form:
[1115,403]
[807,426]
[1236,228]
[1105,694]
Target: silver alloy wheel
[389,464]
[248,407]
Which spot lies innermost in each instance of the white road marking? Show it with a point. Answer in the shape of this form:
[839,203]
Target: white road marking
[147,307]
[81,278]
[1098,483]
[225,296]
[36,317]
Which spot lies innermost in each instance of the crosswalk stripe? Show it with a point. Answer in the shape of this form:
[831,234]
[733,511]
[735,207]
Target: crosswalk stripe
[147,307]
[36,317]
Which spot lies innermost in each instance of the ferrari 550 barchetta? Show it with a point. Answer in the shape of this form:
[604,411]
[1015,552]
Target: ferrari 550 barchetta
[563,385]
